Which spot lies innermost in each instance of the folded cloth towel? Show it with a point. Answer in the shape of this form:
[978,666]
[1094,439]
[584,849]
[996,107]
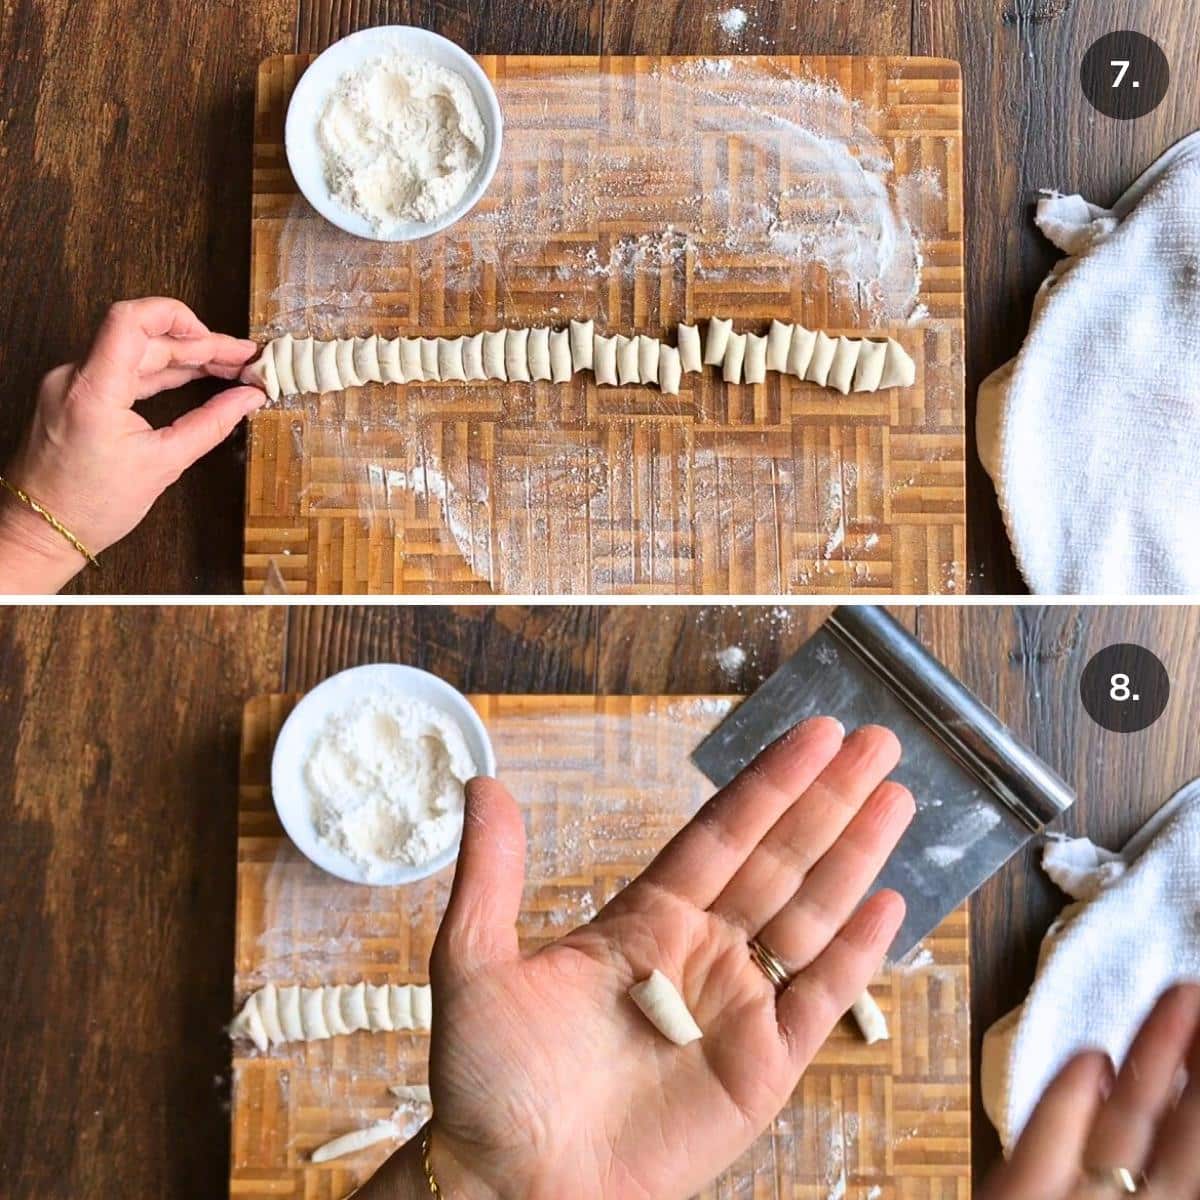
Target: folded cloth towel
[1092,433]
[1104,963]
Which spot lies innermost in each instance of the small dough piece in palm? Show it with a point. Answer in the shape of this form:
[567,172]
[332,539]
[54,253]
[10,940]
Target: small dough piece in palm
[516,354]
[719,332]
[664,1008]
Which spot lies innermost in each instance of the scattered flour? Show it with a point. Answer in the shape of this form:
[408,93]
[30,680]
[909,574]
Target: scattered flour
[733,21]
[402,140]
[731,660]
[386,778]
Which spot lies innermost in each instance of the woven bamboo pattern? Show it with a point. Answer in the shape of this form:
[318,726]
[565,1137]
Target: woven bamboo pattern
[774,488]
[604,782]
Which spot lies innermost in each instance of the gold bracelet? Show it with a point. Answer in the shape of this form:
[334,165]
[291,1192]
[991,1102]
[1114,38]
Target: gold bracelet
[50,519]
[426,1142]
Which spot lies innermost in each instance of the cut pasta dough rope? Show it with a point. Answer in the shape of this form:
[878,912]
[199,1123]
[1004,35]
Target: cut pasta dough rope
[275,1015]
[291,366]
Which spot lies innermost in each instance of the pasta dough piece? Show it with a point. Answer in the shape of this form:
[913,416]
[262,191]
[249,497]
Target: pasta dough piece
[400,1004]
[604,360]
[289,1014]
[539,353]
[560,356]
[755,368]
[261,372]
[283,365]
[493,353]
[312,1014]
[331,1009]
[429,359]
[325,365]
[822,359]
[664,1008]
[800,352]
[450,359]
[627,360]
[379,1010]
[649,352]
[345,363]
[735,354]
[303,369]
[422,1007]
[899,370]
[870,1018]
[719,331]
[473,358]
[389,360]
[410,360]
[688,337]
[366,359]
[268,1010]
[414,1093]
[583,345]
[249,1024]
[360,1139]
[669,371]
[869,370]
[845,358]
[779,341]
[516,354]
[353,1000]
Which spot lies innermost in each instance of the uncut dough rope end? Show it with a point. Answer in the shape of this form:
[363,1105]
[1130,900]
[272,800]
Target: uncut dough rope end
[871,1021]
[290,366]
[665,1009]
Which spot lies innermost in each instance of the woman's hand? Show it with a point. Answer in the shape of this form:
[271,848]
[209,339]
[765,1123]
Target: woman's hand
[1087,1125]
[91,460]
[549,1083]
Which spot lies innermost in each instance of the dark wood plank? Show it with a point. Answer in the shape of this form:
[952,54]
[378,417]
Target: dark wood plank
[127,139]
[1026,663]
[1028,126]
[117,892]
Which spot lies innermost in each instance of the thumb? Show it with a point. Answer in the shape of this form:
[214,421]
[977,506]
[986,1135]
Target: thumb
[205,427]
[480,925]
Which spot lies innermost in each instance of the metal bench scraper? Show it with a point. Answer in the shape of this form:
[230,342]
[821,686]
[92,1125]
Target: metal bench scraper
[980,793]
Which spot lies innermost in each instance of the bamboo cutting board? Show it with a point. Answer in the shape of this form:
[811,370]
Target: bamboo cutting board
[604,782]
[642,192]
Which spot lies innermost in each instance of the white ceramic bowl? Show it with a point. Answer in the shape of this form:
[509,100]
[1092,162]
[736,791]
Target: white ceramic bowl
[290,793]
[316,84]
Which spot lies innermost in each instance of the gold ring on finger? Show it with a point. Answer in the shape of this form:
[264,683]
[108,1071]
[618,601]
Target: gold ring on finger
[770,965]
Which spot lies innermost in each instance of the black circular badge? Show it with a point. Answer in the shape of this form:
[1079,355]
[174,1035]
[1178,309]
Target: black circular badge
[1125,75]
[1124,688]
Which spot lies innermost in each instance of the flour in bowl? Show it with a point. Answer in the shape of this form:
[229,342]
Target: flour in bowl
[386,775]
[401,139]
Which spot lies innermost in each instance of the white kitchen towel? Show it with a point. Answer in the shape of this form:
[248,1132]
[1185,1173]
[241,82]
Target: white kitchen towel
[1104,963]
[1092,433]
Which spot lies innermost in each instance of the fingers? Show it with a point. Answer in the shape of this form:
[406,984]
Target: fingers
[480,925]
[777,867]
[194,434]
[155,315]
[700,859]
[836,885]
[1123,1134]
[1045,1162]
[207,350]
[1174,1168]
[820,995]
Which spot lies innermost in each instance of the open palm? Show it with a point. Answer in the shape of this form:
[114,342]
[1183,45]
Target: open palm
[547,1080]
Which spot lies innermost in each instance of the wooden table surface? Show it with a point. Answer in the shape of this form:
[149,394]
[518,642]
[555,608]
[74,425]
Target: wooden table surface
[127,164]
[118,801]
